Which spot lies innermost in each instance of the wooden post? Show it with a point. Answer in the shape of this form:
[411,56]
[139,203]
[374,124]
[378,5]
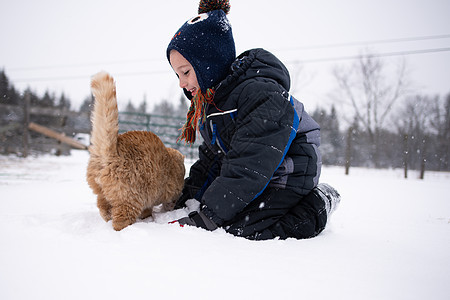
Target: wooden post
[405,155]
[60,149]
[348,150]
[423,158]
[56,135]
[26,122]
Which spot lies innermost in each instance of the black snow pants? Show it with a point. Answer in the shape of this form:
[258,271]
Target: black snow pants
[280,213]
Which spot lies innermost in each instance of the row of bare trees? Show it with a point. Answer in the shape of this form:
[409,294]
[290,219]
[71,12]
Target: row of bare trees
[386,119]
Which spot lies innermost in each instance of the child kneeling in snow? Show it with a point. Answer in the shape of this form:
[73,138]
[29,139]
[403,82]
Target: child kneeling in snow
[259,164]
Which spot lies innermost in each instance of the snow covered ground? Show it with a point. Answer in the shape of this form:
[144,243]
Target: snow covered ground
[389,239]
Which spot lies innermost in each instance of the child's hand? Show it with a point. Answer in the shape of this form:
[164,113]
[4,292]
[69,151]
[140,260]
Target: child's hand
[198,219]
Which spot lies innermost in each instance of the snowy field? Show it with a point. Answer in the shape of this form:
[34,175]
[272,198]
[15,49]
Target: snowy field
[389,239]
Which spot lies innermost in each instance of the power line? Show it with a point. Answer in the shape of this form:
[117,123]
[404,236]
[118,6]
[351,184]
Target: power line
[353,57]
[316,60]
[336,45]
[372,42]
[81,65]
[88,76]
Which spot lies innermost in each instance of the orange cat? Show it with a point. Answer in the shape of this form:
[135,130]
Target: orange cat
[131,172]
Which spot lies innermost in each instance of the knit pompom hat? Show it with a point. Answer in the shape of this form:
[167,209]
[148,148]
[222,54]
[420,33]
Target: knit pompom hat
[206,42]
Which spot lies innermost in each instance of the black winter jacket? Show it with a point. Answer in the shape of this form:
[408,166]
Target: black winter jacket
[256,136]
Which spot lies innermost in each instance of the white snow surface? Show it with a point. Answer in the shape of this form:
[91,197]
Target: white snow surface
[389,239]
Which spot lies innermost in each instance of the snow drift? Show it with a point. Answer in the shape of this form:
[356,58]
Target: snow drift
[389,239]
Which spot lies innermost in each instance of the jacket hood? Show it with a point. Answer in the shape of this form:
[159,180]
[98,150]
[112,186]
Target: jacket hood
[253,64]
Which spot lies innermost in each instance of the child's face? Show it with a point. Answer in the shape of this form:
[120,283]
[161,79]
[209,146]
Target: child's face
[185,72]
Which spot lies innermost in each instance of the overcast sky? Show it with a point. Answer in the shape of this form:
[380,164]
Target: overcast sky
[58,45]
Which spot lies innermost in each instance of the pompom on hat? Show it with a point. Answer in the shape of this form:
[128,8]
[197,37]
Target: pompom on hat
[206,42]
[205,6]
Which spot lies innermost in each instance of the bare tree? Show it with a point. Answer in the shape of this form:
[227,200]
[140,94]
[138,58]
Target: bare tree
[371,93]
